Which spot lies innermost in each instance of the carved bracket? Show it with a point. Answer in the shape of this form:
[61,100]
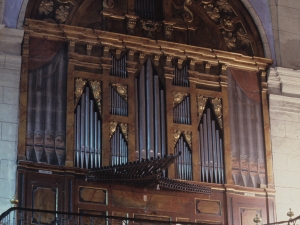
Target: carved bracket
[178,97]
[96,88]
[184,11]
[113,127]
[121,89]
[79,85]
[151,26]
[217,104]
[201,103]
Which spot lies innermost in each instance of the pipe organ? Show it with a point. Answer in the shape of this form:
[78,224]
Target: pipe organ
[156,93]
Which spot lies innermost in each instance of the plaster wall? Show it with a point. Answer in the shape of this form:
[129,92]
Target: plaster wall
[10,66]
[284,96]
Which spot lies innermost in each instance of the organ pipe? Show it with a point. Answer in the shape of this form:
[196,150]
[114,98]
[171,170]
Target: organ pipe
[181,77]
[211,149]
[184,162]
[119,148]
[151,126]
[88,133]
[118,67]
[181,113]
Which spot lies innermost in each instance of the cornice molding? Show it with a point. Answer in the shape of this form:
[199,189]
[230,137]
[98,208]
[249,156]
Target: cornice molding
[284,81]
[67,33]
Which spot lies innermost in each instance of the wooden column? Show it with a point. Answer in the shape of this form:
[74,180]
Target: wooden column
[194,128]
[267,132]
[23,99]
[70,129]
[226,131]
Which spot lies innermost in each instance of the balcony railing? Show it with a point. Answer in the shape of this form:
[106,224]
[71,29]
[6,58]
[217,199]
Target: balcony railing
[25,216]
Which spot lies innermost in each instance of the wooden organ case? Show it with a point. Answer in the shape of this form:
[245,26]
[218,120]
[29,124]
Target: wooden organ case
[145,109]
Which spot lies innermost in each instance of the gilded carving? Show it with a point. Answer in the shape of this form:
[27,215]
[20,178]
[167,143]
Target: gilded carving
[73,2]
[169,61]
[131,23]
[228,23]
[179,63]
[177,134]
[108,4]
[229,40]
[224,6]
[212,12]
[150,26]
[243,37]
[79,85]
[46,6]
[118,53]
[207,68]
[106,51]
[192,64]
[124,129]
[201,103]
[89,49]
[188,137]
[178,97]
[121,89]
[184,11]
[62,13]
[96,89]
[168,32]
[156,60]
[217,104]
[112,128]
[224,69]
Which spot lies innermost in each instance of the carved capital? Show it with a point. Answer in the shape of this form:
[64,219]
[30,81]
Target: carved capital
[207,68]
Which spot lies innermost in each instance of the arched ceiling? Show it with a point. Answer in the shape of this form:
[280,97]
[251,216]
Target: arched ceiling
[216,24]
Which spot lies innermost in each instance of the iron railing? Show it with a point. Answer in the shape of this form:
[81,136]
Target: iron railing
[25,216]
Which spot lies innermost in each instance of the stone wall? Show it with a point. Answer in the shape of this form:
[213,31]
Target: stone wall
[284,90]
[10,66]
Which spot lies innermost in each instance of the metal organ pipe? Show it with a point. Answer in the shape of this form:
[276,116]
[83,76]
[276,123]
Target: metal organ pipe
[88,133]
[142,110]
[163,123]
[157,115]
[150,106]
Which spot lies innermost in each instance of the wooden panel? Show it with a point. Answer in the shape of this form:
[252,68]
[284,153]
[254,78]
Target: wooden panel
[89,220]
[150,217]
[248,214]
[121,214]
[208,207]
[44,198]
[93,195]
[178,219]
[157,202]
[206,222]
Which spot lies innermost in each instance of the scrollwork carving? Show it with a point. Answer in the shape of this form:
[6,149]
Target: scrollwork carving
[96,89]
[121,89]
[201,103]
[108,4]
[243,37]
[212,12]
[62,13]
[124,129]
[224,6]
[178,97]
[112,128]
[217,104]
[177,134]
[183,10]
[79,85]
[150,26]
[131,23]
[46,6]
[168,32]
[188,137]
[229,39]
